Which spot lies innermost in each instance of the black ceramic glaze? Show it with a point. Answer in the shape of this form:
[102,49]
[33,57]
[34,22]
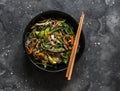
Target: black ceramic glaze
[56,15]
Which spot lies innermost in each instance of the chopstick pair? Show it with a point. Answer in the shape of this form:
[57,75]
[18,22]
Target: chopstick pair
[74,50]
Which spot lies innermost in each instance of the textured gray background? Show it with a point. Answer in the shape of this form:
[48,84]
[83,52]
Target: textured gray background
[97,70]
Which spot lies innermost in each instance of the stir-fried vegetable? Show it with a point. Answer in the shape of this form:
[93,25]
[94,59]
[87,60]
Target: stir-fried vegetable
[50,42]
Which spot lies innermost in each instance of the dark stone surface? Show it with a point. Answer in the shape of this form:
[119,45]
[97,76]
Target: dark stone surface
[96,70]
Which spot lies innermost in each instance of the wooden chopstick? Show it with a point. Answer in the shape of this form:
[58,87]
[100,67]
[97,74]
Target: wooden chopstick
[74,50]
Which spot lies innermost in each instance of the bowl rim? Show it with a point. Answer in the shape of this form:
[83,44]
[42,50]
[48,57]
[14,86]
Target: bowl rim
[24,33]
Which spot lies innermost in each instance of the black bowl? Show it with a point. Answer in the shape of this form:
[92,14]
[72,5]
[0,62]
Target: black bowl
[56,15]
